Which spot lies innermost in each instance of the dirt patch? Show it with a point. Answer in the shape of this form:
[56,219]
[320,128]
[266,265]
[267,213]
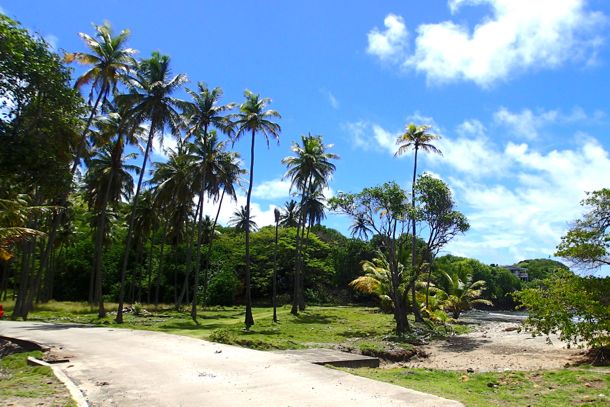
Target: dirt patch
[497,343]
[8,348]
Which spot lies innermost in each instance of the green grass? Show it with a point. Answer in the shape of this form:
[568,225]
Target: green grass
[565,387]
[21,384]
[348,326]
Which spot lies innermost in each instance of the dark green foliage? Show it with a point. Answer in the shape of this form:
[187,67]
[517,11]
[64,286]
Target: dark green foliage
[223,288]
[577,307]
[539,269]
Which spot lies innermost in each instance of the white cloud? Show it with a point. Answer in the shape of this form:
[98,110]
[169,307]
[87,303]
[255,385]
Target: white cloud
[160,150]
[518,35]
[524,214]
[527,124]
[390,43]
[262,215]
[2,11]
[272,189]
[332,100]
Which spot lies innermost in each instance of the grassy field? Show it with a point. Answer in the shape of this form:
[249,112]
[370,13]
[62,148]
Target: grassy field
[23,385]
[566,387]
[349,326]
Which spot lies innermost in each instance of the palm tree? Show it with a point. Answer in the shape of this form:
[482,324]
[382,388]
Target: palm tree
[311,165]
[253,118]
[109,60]
[202,113]
[108,180]
[276,214]
[149,100]
[115,124]
[360,228]
[415,138]
[460,295]
[290,216]
[242,221]
[174,184]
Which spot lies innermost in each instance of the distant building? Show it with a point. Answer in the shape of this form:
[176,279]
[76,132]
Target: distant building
[519,272]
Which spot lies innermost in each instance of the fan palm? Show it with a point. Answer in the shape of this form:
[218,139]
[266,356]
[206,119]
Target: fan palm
[253,118]
[415,138]
[310,165]
[149,100]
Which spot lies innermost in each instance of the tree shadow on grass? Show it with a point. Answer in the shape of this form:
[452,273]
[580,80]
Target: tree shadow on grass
[314,319]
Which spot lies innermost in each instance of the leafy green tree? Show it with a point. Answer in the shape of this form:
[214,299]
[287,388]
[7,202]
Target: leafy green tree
[539,269]
[578,308]
[149,100]
[415,138]
[442,221]
[253,118]
[587,243]
[384,210]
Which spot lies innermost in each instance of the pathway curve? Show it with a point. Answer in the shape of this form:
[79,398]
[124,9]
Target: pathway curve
[122,367]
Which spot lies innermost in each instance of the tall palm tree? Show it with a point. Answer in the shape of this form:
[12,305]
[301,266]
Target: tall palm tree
[107,182]
[203,112]
[118,126]
[310,165]
[242,221]
[174,184]
[276,214]
[253,118]
[149,100]
[110,61]
[290,216]
[415,138]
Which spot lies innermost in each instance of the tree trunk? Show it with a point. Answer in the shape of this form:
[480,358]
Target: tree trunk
[249,320]
[119,314]
[209,251]
[160,267]
[189,260]
[274,299]
[416,311]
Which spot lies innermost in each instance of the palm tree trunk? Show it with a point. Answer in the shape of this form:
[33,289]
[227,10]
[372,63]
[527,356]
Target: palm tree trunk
[209,251]
[200,229]
[132,217]
[189,259]
[298,300]
[416,311]
[57,218]
[101,231]
[249,320]
[149,271]
[274,299]
[160,268]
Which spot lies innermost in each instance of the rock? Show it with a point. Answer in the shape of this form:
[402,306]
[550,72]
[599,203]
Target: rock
[470,370]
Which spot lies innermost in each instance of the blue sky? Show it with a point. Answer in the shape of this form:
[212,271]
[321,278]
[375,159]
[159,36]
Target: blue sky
[518,89]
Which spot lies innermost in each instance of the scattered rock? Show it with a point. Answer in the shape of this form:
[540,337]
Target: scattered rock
[470,370]
[102,383]
[8,348]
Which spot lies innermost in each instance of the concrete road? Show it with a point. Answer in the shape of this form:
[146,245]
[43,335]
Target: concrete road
[121,367]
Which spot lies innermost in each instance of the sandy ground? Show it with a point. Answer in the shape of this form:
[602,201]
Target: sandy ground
[495,345]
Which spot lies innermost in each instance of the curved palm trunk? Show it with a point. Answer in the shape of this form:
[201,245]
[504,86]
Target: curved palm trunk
[132,217]
[415,307]
[249,320]
[189,261]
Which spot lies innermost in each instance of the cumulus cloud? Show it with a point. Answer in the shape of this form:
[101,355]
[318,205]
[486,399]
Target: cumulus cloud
[160,150]
[517,35]
[527,124]
[262,214]
[390,43]
[272,189]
